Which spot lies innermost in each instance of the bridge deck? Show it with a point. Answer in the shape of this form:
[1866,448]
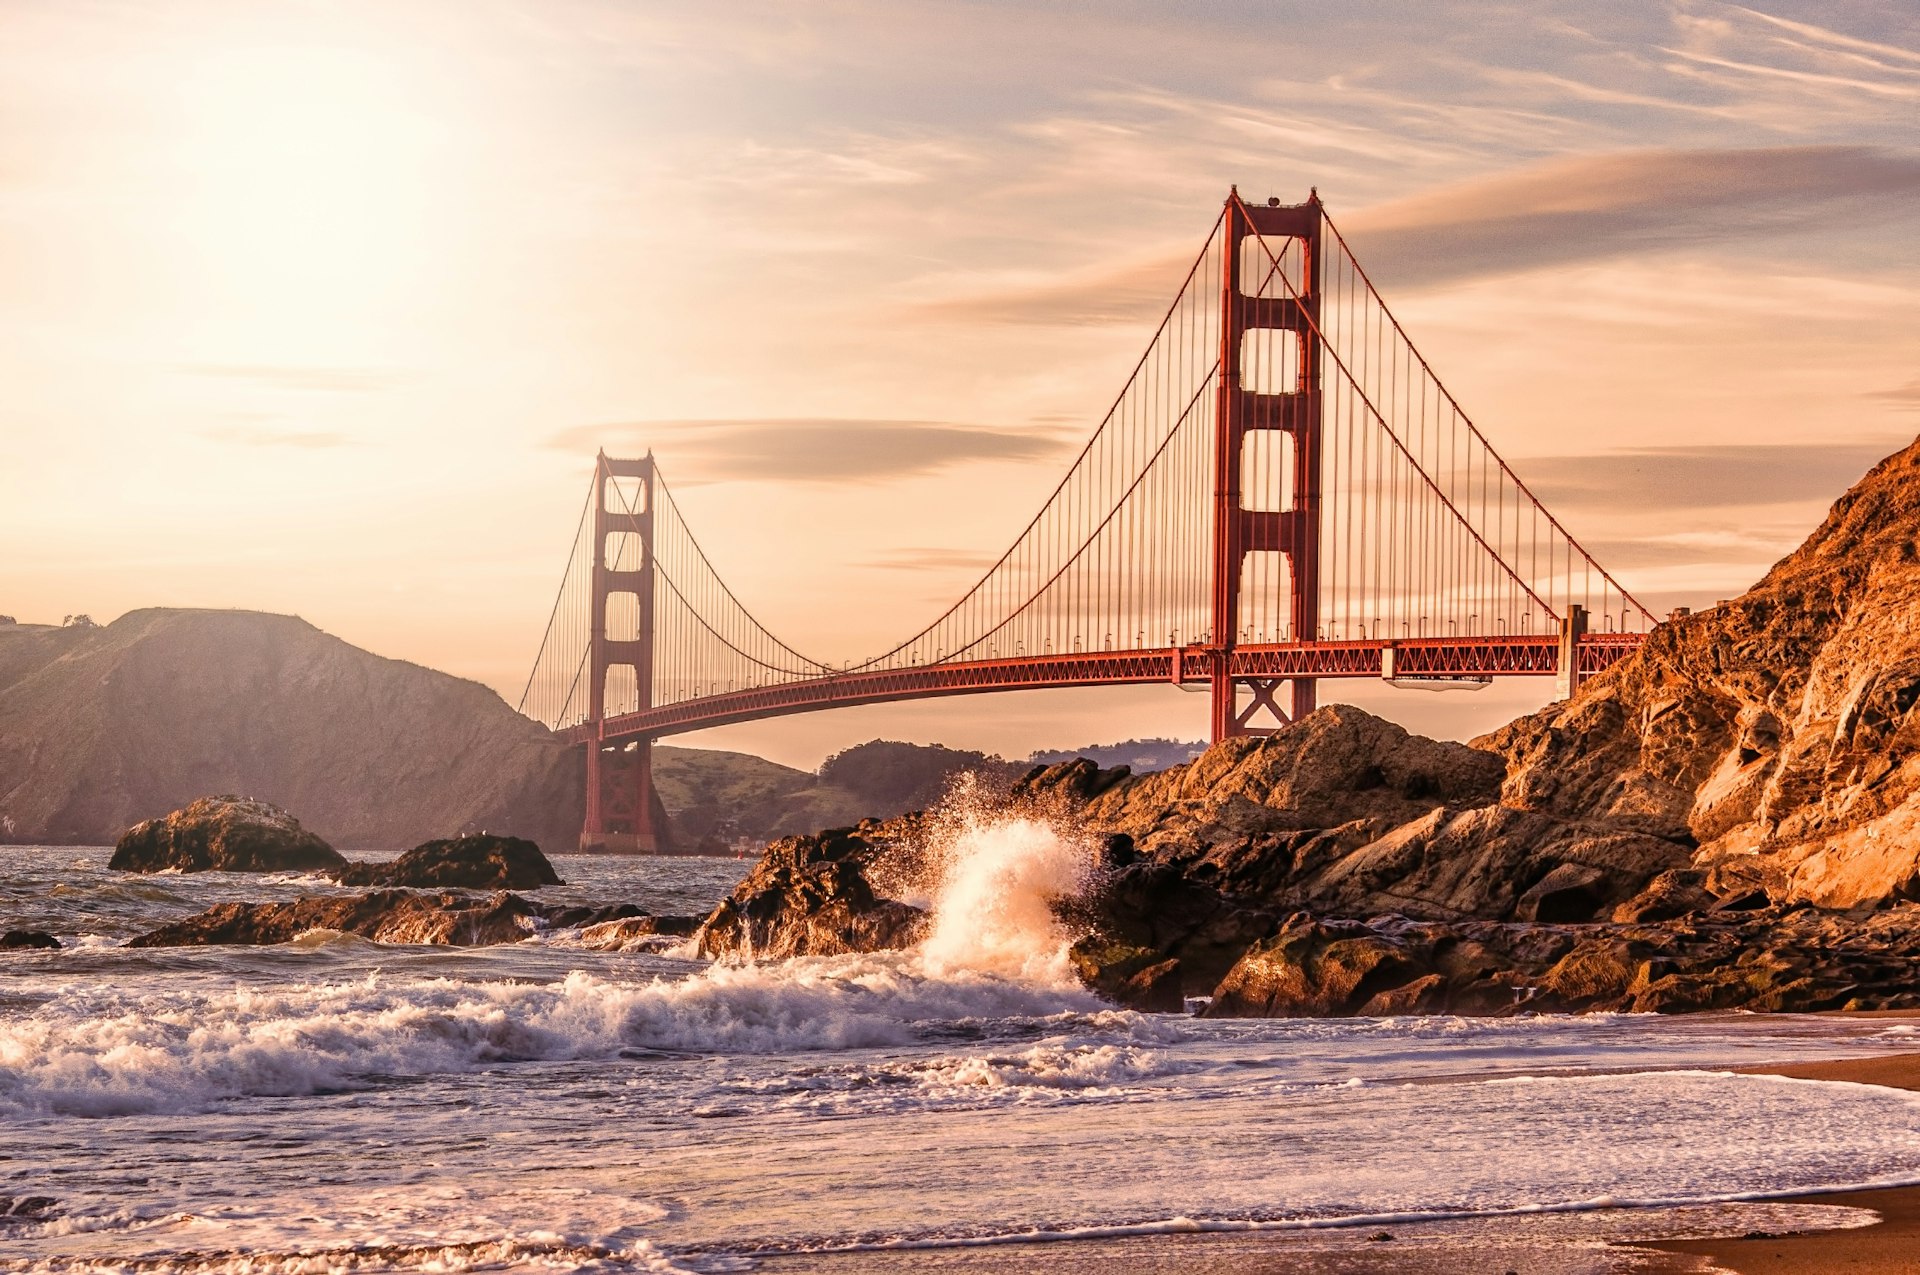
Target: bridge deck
[1522,656]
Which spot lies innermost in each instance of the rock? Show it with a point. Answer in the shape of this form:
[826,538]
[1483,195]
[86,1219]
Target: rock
[1779,731]
[638,933]
[813,896]
[18,1210]
[224,834]
[474,862]
[1315,969]
[27,940]
[385,916]
[1155,936]
[1675,893]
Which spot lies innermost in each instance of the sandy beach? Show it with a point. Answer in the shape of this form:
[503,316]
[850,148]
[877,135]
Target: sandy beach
[1891,1246]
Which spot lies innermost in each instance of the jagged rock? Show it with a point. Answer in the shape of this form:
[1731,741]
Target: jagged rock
[18,1210]
[396,916]
[1674,893]
[224,834]
[1335,766]
[1798,960]
[636,933]
[474,862]
[386,916]
[1151,922]
[27,940]
[812,896]
[1780,731]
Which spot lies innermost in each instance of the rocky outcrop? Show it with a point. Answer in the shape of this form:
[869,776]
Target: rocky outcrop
[101,727]
[1778,732]
[476,862]
[393,916]
[224,834]
[1798,960]
[814,896]
[27,941]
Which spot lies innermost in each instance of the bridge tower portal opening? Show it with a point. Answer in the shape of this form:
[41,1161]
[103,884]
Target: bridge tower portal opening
[1269,380]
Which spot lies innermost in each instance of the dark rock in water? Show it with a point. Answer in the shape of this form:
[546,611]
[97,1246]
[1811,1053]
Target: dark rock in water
[474,862]
[22,1209]
[27,940]
[637,932]
[224,834]
[812,896]
[399,916]
[386,916]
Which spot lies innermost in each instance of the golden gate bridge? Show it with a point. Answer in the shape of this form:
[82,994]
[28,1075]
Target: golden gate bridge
[1282,491]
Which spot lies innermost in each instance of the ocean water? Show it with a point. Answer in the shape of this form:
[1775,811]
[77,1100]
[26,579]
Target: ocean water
[338,1105]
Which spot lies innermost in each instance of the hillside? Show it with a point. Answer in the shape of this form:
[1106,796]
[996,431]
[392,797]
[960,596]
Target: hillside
[102,727]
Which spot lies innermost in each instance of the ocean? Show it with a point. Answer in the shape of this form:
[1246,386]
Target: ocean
[335,1105]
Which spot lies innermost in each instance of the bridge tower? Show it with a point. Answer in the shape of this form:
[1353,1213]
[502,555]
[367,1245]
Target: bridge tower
[1295,411]
[624,814]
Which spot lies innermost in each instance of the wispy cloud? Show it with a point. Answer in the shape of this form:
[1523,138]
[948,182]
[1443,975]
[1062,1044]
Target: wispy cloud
[1560,212]
[821,450]
[1695,478]
[1906,396]
[331,380]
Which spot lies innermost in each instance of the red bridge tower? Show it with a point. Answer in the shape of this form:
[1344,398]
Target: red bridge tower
[1249,306]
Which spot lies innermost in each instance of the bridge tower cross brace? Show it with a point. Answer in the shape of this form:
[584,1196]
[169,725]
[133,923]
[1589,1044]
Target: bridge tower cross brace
[624,814]
[1293,532]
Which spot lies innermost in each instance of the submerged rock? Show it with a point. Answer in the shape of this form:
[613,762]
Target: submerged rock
[27,940]
[473,862]
[224,834]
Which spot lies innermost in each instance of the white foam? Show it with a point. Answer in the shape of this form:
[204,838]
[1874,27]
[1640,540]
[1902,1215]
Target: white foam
[1000,873]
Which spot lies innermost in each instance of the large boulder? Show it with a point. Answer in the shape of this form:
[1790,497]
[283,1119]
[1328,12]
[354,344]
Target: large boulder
[814,896]
[224,834]
[28,941]
[474,862]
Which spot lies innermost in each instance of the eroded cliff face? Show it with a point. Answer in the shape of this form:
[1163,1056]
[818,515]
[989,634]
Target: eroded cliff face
[1777,732]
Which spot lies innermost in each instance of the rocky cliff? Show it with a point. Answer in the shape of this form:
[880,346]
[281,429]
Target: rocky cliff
[1777,732]
[103,727]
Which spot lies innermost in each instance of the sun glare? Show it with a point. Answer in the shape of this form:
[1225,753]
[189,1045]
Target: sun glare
[309,178]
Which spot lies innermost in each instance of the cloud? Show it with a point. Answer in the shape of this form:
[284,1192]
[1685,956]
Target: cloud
[337,380]
[816,449]
[1907,396]
[255,436]
[1695,478]
[1555,213]
[1601,206]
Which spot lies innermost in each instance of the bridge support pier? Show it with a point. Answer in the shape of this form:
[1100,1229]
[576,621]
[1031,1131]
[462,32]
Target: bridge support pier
[624,812]
[1567,676]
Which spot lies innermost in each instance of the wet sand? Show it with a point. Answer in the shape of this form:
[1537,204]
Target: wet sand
[1796,1244]
[1890,1247]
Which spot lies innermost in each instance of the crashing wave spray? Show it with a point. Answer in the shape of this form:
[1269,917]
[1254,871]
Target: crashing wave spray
[998,869]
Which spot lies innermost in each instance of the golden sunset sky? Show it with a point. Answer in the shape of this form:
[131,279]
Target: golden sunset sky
[323,308]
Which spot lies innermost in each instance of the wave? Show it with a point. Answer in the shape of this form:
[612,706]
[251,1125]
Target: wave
[98,1054]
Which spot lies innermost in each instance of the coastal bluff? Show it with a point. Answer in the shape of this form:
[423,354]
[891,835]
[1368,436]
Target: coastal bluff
[103,727]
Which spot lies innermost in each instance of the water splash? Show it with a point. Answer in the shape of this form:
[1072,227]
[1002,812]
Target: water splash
[999,870]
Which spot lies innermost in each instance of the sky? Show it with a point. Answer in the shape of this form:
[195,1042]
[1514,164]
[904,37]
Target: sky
[323,308]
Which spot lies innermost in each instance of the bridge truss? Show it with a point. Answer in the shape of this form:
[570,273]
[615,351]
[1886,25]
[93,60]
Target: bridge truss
[1283,491]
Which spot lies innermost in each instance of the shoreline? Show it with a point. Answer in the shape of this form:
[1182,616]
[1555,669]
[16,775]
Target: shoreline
[1886,1247]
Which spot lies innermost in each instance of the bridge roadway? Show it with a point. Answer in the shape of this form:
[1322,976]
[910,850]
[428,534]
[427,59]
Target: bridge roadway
[1518,656]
